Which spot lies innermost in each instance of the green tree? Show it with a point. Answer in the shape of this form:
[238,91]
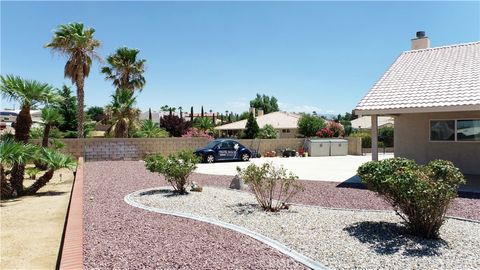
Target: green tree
[124,115]
[244,115]
[95,113]
[149,129]
[203,123]
[50,118]
[78,45]
[12,154]
[125,70]
[308,125]
[268,132]
[268,104]
[251,128]
[68,109]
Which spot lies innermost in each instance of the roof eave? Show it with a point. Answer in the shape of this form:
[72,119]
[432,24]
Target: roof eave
[393,111]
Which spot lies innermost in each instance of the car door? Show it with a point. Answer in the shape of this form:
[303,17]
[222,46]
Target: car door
[226,150]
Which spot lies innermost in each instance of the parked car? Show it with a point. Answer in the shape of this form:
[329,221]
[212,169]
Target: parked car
[223,149]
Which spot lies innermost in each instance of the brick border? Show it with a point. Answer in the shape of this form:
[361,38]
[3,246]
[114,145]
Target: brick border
[71,250]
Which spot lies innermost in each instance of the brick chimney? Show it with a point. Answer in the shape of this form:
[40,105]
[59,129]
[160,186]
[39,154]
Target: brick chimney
[421,41]
[260,112]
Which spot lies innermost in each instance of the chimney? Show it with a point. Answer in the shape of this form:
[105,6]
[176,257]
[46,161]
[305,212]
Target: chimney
[260,112]
[421,41]
[252,110]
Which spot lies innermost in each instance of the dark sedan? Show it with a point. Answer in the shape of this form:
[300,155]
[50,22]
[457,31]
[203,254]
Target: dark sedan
[223,149]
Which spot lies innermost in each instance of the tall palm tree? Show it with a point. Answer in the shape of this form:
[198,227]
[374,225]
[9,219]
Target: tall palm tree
[124,115]
[51,118]
[125,70]
[78,44]
[28,93]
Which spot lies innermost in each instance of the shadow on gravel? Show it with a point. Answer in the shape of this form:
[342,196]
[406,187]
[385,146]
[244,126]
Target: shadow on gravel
[389,238]
[165,192]
[244,208]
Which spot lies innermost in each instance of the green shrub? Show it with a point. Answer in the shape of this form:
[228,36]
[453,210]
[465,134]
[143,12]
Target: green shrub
[419,194]
[387,134]
[366,138]
[267,132]
[176,168]
[272,187]
[308,125]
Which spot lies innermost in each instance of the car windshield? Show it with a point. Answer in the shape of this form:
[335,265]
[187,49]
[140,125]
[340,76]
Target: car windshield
[211,144]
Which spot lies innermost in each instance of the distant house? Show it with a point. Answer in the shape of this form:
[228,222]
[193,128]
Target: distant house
[434,96]
[365,122]
[285,123]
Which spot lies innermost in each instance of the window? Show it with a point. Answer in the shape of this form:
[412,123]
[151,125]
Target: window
[468,130]
[286,130]
[442,130]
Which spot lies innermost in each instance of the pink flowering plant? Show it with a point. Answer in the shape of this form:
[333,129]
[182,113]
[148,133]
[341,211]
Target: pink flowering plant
[336,128]
[325,133]
[195,132]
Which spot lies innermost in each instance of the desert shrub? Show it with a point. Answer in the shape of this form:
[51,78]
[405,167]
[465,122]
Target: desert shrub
[267,132]
[272,187]
[176,168]
[324,133]
[419,194]
[195,132]
[308,125]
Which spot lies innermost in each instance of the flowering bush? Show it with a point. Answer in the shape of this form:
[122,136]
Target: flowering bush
[325,133]
[195,132]
[176,168]
[270,153]
[336,128]
[272,187]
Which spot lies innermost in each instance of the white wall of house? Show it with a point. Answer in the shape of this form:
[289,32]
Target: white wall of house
[412,140]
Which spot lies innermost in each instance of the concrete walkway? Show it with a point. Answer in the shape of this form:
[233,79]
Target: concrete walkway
[333,169]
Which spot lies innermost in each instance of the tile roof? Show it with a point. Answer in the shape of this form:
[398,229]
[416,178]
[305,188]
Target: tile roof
[435,78]
[279,120]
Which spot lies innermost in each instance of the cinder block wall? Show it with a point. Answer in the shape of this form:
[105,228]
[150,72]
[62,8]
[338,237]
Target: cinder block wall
[94,149]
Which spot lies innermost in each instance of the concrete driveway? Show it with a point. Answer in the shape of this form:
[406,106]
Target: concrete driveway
[334,169]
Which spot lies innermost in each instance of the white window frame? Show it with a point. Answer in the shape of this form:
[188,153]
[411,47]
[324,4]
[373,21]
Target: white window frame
[455,124]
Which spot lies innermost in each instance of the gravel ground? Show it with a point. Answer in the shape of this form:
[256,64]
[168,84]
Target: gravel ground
[118,236]
[339,239]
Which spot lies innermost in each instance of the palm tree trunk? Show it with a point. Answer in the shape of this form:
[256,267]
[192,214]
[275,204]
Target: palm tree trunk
[42,181]
[16,178]
[46,132]
[80,97]
[6,188]
[23,124]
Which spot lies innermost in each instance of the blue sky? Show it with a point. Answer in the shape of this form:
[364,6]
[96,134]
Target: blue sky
[321,56]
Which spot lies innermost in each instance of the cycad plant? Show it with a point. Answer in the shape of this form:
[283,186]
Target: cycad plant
[78,44]
[124,115]
[125,70]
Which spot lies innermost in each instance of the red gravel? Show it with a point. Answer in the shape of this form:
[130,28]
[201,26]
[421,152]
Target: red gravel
[118,236]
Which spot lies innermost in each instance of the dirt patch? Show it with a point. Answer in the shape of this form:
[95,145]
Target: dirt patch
[32,226]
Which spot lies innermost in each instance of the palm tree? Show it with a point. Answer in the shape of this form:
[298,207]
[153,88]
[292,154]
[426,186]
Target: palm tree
[124,115]
[125,70]
[54,161]
[50,117]
[28,93]
[78,44]
[149,129]
[203,123]
[12,154]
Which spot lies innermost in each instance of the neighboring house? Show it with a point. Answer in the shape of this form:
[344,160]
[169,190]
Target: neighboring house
[434,96]
[365,122]
[285,123]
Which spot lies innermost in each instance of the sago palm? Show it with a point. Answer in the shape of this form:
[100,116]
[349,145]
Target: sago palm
[125,70]
[54,161]
[124,115]
[149,129]
[78,44]
[203,124]
[50,118]
[12,154]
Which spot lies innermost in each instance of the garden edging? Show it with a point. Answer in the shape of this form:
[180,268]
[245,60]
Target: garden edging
[266,240]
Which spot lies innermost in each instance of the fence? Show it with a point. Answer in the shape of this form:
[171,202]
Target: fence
[93,149]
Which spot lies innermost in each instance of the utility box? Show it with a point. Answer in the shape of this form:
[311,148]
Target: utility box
[338,147]
[318,147]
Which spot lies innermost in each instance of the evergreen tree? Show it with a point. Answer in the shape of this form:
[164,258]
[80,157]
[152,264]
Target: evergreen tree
[251,128]
[150,114]
[202,113]
[191,114]
[68,110]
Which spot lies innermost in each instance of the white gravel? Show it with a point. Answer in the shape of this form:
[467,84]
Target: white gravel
[336,238]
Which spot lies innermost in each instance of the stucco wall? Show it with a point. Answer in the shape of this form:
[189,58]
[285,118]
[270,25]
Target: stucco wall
[412,140]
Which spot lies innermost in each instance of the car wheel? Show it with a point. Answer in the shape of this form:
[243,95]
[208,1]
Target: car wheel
[245,157]
[209,159]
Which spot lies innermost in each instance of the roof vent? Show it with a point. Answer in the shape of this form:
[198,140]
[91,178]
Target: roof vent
[420,34]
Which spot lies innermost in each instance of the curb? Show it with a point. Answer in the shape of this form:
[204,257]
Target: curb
[266,240]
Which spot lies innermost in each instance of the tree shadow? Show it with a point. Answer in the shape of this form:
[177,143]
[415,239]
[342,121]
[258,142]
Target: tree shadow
[165,192]
[388,238]
[243,209]
[49,193]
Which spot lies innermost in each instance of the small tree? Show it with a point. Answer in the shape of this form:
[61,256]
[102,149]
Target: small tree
[175,125]
[95,113]
[308,125]
[203,124]
[191,114]
[176,168]
[149,129]
[273,188]
[51,118]
[268,132]
[251,128]
[201,113]
[150,114]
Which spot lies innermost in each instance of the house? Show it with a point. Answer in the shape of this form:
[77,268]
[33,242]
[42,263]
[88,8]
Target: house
[365,122]
[434,96]
[285,123]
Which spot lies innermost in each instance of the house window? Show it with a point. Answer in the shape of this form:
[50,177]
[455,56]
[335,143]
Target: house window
[442,130]
[468,130]
[286,130]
